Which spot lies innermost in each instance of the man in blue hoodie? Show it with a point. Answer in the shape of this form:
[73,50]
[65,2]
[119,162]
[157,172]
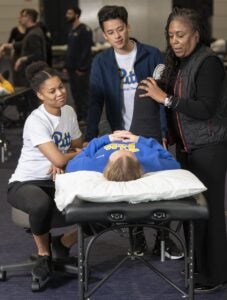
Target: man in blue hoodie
[115,74]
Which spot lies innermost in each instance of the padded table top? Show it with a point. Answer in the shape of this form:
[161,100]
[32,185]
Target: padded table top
[190,208]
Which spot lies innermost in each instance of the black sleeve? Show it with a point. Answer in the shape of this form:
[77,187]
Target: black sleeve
[96,101]
[12,35]
[85,51]
[208,87]
[36,48]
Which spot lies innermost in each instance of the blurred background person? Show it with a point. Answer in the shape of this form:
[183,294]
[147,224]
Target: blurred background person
[78,61]
[32,47]
[16,35]
[18,32]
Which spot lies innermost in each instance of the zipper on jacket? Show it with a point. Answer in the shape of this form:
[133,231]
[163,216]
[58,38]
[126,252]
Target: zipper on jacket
[179,79]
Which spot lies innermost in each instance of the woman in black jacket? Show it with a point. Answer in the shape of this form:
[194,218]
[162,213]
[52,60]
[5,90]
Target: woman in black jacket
[191,86]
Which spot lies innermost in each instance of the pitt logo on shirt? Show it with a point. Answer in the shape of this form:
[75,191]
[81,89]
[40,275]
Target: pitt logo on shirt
[115,146]
[61,139]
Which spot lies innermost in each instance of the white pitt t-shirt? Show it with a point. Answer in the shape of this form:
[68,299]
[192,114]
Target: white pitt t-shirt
[129,84]
[42,127]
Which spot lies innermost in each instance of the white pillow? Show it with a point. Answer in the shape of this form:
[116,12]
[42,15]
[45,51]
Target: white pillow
[92,186]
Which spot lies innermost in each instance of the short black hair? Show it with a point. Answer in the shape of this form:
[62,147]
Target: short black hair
[76,10]
[32,13]
[110,12]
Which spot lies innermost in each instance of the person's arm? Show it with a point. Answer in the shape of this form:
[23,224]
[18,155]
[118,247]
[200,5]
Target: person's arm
[87,153]
[5,46]
[159,157]
[54,155]
[85,50]
[94,145]
[166,161]
[36,47]
[96,101]
[77,143]
[208,83]
[208,86]
[12,35]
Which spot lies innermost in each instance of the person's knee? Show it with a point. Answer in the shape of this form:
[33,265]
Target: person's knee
[41,207]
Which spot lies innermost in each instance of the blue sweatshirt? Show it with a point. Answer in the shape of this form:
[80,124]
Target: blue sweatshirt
[151,155]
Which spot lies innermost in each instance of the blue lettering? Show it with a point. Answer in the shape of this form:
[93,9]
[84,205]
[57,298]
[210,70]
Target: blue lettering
[61,139]
[127,78]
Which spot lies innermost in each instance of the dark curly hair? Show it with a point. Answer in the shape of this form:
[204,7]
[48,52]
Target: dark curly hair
[37,73]
[172,62]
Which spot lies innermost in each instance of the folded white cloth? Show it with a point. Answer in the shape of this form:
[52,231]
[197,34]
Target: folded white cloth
[92,186]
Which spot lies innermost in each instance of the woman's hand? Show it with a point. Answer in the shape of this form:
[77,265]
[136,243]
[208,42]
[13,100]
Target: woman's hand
[54,170]
[149,85]
[123,135]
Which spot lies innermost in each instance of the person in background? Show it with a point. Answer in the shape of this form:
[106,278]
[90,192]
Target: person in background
[191,87]
[114,78]
[32,47]
[78,61]
[16,35]
[50,131]
[18,32]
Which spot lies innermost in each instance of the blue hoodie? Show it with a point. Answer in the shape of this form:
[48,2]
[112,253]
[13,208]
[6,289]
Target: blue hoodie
[151,155]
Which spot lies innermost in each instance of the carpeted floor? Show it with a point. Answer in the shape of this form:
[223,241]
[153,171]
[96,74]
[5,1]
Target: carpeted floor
[133,281]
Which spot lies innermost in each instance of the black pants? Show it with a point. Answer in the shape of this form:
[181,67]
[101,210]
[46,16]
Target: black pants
[79,85]
[36,198]
[209,165]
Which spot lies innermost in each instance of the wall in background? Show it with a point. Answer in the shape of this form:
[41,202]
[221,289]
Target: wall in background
[146,17]
[9,12]
[219,19]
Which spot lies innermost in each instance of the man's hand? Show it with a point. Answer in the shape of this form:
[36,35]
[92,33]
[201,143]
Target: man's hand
[5,46]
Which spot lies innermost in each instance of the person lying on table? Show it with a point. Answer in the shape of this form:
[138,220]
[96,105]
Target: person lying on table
[123,156]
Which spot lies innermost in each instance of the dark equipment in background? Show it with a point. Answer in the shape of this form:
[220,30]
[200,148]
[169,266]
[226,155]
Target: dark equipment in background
[54,19]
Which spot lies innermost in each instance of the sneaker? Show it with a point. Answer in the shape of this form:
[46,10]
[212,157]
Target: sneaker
[171,249]
[140,244]
[42,268]
[58,250]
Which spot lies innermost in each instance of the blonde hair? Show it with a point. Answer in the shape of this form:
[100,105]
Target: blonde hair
[124,168]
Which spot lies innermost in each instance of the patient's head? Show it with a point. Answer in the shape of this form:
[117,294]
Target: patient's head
[123,166]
